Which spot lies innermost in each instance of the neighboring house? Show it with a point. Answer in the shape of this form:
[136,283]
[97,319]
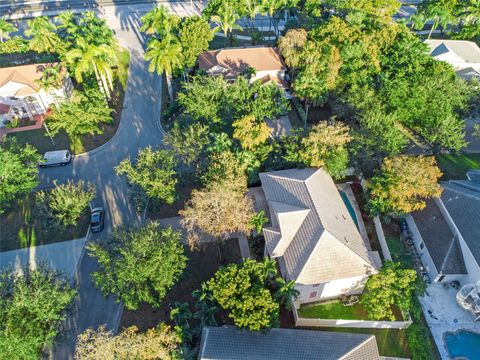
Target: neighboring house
[229,343]
[463,55]
[233,62]
[21,95]
[446,233]
[313,237]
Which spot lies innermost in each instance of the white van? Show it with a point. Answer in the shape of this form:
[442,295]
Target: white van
[54,158]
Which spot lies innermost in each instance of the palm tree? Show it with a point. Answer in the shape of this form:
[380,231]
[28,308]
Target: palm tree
[52,78]
[269,268]
[43,36]
[252,8]
[5,29]
[164,56]
[286,291]
[88,58]
[159,21]
[269,7]
[226,20]
[258,220]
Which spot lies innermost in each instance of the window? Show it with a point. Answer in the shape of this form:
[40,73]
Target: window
[422,245]
[313,294]
[315,285]
[440,278]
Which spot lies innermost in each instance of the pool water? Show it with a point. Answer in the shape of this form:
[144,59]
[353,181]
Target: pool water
[349,206]
[463,344]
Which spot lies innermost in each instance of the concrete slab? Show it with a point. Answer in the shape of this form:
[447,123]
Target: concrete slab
[443,314]
[62,256]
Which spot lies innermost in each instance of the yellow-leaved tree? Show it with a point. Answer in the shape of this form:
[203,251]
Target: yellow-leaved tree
[250,132]
[403,185]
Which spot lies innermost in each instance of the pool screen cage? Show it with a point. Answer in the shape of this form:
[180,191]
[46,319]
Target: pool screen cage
[469,299]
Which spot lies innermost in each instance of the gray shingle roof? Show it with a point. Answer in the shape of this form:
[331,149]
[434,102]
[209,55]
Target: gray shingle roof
[462,201]
[222,343]
[439,239]
[468,51]
[310,253]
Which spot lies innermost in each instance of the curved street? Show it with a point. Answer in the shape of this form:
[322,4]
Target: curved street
[139,127]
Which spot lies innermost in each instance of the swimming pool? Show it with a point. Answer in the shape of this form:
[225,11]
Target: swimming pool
[463,344]
[349,206]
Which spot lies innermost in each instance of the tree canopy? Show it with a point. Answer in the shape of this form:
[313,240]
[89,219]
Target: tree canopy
[154,172]
[403,185]
[33,305]
[393,285]
[242,290]
[157,343]
[18,172]
[139,264]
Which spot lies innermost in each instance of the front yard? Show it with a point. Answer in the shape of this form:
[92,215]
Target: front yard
[19,228]
[202,265]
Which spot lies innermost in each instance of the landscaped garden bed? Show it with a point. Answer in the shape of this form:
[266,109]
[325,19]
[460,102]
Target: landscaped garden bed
[335,309]
[20,228]
[201,266]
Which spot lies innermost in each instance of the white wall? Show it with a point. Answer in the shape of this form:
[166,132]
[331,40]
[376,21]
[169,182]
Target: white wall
[261,74]
[330,290]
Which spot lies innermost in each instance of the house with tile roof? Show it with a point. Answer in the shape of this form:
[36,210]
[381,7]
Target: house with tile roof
[313,237]
[463,55]
[21,95]
[229,343]
[233,62]
[446,233]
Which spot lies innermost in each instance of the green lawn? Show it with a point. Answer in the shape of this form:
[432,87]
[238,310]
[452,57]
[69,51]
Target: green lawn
[336,310]
[123,57]
[20,228]
[391,342]
[456,166]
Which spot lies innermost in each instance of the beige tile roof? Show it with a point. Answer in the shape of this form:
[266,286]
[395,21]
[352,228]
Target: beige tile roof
[326,245]
[237,60]
[25,75]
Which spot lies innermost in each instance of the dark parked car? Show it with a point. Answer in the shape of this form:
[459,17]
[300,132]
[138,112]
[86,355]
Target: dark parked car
[96,219]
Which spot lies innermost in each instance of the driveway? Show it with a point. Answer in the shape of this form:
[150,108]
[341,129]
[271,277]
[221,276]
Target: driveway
[139,127]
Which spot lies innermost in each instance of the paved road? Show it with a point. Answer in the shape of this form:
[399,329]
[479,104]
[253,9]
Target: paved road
[138,128]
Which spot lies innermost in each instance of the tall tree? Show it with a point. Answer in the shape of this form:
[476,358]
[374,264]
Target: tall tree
[159,21]
[52,79]
[18,172]
[194,34]
[81,115]
[242,290]
[393,285]
[33,304]
[88,59]
[251,132]
[165,55]
[5,29]
[291,46]
[43,36]
[216,211]
[440,12]
[154,172]
[403,185]
[224,169]
[226,18]
[68,202]
[157,343]
[140,264]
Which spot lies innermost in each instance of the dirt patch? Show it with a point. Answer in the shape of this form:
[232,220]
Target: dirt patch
[202,265]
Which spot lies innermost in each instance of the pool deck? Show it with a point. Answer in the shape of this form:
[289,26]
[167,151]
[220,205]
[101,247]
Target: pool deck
[443,314]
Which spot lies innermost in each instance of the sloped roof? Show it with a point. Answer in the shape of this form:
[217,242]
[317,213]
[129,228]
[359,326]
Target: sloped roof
[461,199]
[25,75]
[440,240]
[237,60]
[469,74]
[326,230]
[229,343]
[467,51]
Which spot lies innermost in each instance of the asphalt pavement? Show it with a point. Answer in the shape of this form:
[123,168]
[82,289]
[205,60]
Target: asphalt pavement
[139,127]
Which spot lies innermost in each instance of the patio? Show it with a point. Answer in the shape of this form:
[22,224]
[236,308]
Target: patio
[443,314]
